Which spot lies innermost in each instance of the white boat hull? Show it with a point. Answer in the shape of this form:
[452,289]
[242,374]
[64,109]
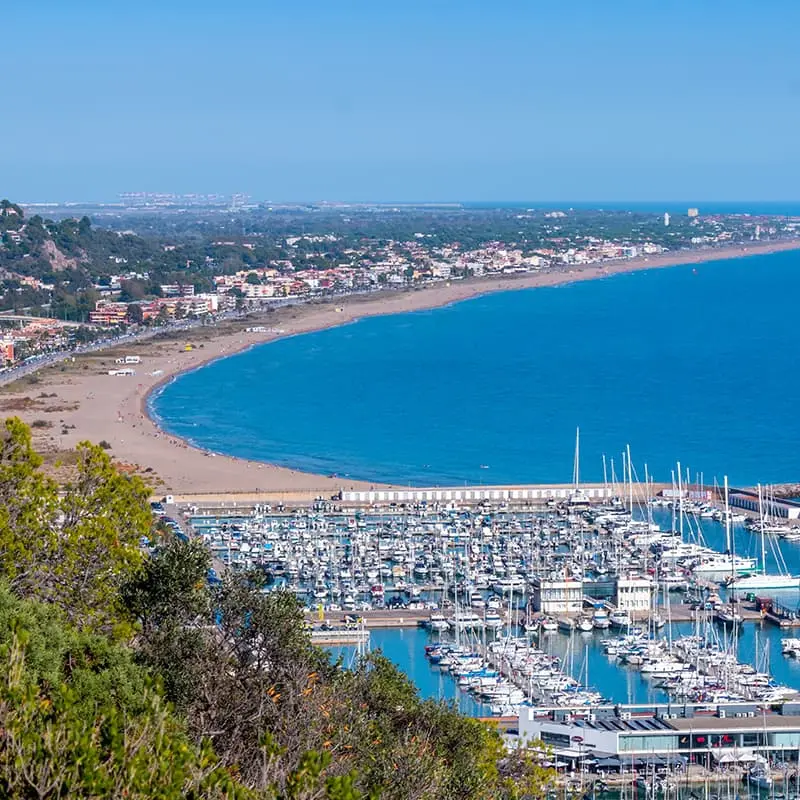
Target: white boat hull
[760,582]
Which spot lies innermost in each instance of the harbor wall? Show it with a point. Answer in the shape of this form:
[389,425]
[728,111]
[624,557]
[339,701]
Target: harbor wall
[595,493]
[516,493]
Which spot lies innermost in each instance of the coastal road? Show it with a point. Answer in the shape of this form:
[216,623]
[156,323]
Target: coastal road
[38,362]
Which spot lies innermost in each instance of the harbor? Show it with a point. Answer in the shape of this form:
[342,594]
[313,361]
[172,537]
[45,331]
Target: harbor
[519,608]
[648,553]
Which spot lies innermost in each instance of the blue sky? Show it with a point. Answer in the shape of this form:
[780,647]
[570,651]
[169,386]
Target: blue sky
[402,99]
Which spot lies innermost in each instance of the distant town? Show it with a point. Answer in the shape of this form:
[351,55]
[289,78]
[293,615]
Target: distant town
[72,274]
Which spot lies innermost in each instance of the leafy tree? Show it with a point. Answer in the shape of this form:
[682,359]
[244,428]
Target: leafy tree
[134,314]
[239,665]
[168,598]
[28,506]
[6,205]
[74,549]
[132,290]
[84,227]
[105,516]
[82,335]
[80,719]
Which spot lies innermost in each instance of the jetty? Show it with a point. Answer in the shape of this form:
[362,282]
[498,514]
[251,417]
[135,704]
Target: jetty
[515,494]
[512,494]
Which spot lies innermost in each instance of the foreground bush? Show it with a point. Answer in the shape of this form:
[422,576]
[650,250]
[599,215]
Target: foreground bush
[125,675]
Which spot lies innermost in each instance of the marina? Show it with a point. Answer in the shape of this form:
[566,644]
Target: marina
[550,609]
[655,594]
[559,618]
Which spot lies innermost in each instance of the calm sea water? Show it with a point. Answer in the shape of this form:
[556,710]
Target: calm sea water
[752,207]
[697,364]
[582,656]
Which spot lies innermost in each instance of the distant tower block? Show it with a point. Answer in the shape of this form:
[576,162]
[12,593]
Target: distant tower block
[693,212]
[666,219]
[758,232]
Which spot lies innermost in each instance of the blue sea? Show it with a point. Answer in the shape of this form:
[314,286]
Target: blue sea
[692,364]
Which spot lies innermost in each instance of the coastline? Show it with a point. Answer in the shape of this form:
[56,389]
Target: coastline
[72,402]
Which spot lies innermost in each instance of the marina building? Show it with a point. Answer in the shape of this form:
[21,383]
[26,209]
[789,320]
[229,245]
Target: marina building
[559,596]
[723,734]
[597,493]
[786,509]
[633,594]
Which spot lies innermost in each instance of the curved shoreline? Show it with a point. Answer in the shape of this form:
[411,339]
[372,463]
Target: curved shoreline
[115,409]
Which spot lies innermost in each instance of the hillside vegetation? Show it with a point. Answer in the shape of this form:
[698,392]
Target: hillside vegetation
[124,673]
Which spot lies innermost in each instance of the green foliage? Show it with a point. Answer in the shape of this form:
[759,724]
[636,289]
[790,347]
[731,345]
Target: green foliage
[98,669]
[168,598]
[28,505]
[135,314]
[122,675]
[105,515]
[240,667]
[11,216]
[73,732]
[73,548]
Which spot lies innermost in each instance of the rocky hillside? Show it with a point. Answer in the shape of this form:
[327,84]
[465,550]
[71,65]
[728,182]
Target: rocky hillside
[39,248]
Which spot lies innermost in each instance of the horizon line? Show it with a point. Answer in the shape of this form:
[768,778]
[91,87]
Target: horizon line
[441,202]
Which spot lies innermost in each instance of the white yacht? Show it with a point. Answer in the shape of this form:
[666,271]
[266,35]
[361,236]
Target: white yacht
[466,619]
[437,622]
[725,564]
[620,619]
[600,619]
[791,647]
[492,620]
[748,583]
[764,580]
[513,583]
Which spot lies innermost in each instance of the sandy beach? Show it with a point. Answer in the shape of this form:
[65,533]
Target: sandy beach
[77,401]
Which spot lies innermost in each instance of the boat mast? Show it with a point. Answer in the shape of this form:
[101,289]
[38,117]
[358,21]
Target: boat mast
[630,477]
[576,466]
[761,525]
[731,556]
[673,504]
[728,524]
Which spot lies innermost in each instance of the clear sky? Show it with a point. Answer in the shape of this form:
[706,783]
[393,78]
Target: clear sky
[402,99]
